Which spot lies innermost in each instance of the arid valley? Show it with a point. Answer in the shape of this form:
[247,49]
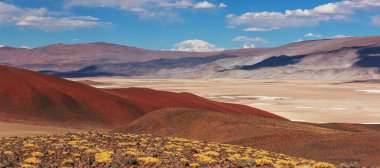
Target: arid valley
[307,101]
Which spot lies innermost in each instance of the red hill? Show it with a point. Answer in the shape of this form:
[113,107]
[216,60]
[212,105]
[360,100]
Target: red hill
[27,96]
[151,100]
[334,143]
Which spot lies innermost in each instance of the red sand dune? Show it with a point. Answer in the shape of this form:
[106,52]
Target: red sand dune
[151,100]
[27,96]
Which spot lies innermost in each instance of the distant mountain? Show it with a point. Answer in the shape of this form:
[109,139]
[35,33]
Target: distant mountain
[148,68]
[352,58]
[63,57]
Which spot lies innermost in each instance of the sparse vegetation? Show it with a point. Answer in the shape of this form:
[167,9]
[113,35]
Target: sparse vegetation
[126,150]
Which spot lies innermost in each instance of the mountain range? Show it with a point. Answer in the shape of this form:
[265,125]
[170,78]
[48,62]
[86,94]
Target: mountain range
[63,57]
[352,58]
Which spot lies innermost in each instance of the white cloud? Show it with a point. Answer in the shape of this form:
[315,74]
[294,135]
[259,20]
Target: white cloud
[312,35]
[130,4]
[196,46]
[145,9]
[303,17]
[260,29]
[249,42]
[341,36]
[249,39]
[299,40]
[249,46]
[52,23]
[375,20]
[204,4]
[222,5]
[41,19]
[2,46]
[25,47]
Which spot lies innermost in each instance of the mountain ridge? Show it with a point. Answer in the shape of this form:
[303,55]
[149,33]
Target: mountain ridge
[69,57]
[347,59]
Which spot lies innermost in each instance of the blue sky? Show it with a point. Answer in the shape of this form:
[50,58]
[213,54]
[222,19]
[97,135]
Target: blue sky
[189,25]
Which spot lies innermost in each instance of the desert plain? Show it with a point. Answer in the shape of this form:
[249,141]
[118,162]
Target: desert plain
[305,101]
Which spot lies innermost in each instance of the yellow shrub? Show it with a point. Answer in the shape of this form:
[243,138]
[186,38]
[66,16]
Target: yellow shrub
[286,163]
[203,158]
[234,157]
[303,166]
[29,145]
[83,147]
[211,153]
[248,150]
[32,160]
[263,162]
[304,161]
[132,153]
[67,161]
[183,160]
[27,166]
[9,153]
[323,165]
[50,152]
[76,154]
[261,153]
[37,154]
[122,144]
[229,150]
[91,151]
[148,160]
[104,157]
[72,143]
[168,153]
[195,165]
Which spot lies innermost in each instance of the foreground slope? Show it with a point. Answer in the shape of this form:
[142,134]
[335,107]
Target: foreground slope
[151,100]
[129,150]
[332,142]
[30,97]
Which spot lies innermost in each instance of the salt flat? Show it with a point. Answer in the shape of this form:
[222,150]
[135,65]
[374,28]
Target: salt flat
[309,101]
